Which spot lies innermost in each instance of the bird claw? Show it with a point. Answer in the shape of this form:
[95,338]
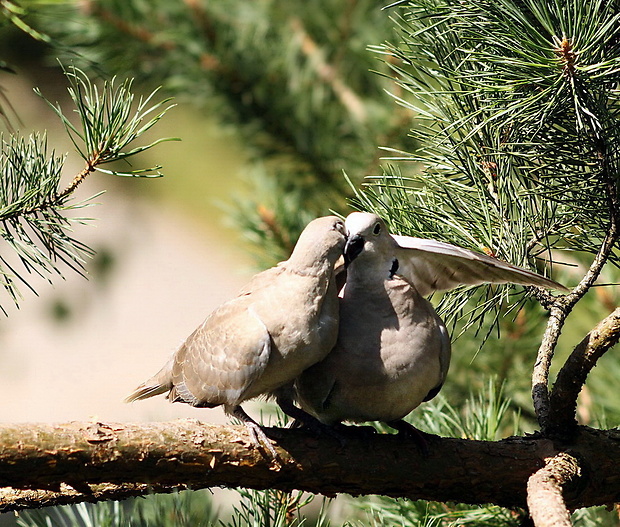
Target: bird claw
[315,427]
[302,419]
[257,434]
[260,440]
[411,432]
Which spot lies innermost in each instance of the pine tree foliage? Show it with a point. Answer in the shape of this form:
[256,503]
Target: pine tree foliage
[186,509]
[517,116]
[33,203]
[13,15]
[109,123]
[294,79]
[32,221]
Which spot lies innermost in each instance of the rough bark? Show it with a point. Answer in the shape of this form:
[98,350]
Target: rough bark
[572,376]
[75,462]
[540,372]
[544,491]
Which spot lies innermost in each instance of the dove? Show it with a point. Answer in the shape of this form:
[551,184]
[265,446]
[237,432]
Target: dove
[282,322]
[393,350]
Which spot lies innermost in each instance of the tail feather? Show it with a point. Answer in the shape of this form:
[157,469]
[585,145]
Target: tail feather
[160,383]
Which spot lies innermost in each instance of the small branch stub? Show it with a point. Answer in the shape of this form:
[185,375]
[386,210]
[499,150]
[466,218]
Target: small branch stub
[544,491]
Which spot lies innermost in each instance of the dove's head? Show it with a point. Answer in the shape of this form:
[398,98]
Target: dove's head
[369,242]
[319,245]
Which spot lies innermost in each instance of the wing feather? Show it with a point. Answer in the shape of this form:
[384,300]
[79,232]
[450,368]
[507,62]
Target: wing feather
[218,363]
[432,265]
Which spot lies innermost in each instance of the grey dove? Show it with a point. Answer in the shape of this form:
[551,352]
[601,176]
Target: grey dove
[282,322]
[393,350]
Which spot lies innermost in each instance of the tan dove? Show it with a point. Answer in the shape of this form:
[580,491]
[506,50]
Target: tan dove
[393,350]
[284,320]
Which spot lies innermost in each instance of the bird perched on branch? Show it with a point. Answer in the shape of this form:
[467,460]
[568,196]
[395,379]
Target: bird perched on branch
[393,350]
[283,321]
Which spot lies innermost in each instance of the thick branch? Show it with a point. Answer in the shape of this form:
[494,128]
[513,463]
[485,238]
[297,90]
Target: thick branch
[572,376]
[12,499]
[544,491]
[92,461]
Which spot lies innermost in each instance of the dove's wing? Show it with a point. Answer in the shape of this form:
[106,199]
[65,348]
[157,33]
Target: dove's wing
[432,265]
[221,359]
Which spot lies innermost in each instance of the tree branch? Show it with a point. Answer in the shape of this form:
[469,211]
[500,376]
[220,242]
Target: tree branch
[572,376]
[12,499]
[544,491]
[79,178]
[329,74]
[46,464]
[559,311]
[540,372]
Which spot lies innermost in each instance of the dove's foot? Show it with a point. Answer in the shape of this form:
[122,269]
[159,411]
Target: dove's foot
[365,431]
[336,431]
[260,439]
[302,419]
[408,430]
[257,434]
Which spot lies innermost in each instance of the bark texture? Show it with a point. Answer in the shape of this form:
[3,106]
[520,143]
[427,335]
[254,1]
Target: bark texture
[43,464]
[544,491]
[572,376]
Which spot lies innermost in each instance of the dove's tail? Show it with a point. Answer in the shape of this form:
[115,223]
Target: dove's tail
[160,383]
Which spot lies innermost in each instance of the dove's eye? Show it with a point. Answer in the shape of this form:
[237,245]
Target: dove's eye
[376,229]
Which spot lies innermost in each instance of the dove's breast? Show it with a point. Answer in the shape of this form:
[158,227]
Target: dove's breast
[300,337]
[387,358]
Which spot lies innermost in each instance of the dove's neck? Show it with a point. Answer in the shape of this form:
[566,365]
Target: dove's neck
[309,263]
[371,270]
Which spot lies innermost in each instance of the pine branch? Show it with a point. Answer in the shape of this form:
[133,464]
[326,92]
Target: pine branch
[32,202]
[329,74]
[109,124]
[272,71]
[559,309]
[12,499]
[15,14]
[240,84]
[31,215]
[518,118]
[76,462]
[516,127]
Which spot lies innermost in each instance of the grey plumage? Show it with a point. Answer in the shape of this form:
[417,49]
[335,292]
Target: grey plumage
[393,350]
[283,321]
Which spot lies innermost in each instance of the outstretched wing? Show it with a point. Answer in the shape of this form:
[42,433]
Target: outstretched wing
[431,265]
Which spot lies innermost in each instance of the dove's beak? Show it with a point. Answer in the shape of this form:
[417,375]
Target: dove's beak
[353,247]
